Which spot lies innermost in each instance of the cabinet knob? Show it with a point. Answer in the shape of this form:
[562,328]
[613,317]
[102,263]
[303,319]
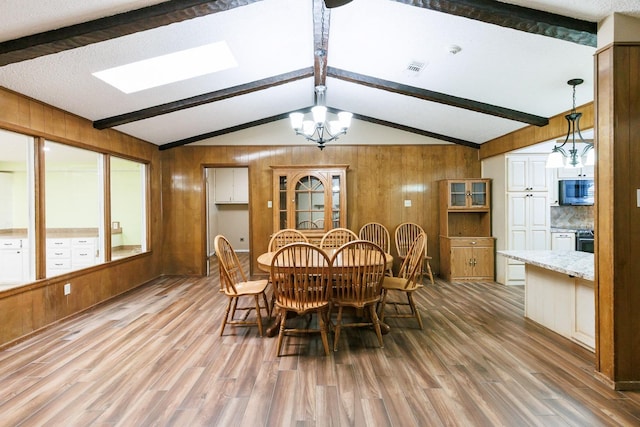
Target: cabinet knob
[473,243]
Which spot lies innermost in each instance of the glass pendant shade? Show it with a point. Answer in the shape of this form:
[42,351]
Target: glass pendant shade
[296,120]
[591,158]
[555,160]
[319,113]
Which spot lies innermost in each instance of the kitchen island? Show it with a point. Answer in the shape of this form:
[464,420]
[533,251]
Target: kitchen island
[559,292]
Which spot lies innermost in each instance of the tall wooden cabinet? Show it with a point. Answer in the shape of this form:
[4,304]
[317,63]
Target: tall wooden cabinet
[312,199]
[466,246]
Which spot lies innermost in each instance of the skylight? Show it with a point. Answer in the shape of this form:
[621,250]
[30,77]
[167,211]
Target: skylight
[170,68]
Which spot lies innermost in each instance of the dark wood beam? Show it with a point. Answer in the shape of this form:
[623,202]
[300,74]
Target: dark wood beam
[207,135]
[321,25]
[248,125]
[438,97]
[110,27]
[517,17]
[205,98]
[417,131]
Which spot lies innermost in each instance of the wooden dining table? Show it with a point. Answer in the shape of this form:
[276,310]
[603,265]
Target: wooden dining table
[264,264]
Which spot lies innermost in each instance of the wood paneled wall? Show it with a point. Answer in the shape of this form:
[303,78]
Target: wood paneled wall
[379,179]
[29,308]
[617,216]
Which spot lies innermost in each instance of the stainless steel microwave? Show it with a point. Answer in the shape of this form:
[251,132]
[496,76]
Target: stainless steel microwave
[576,192]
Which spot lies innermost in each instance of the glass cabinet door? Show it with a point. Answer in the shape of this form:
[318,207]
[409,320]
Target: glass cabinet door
[458,194]
[478,194]
[309,202]
[312,200]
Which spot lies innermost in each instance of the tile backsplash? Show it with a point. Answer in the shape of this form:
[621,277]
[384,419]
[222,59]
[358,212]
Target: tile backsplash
[572,216]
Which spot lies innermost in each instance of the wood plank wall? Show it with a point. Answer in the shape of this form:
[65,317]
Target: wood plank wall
[32,307]
[617,215]
[379,179]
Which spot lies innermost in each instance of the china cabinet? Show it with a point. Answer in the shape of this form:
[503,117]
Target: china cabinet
[466,245]
[311,199]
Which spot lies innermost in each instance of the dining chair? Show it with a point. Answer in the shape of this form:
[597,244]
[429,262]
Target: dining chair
[301,278]
[405,282]
[337,237]
[234,283]
[405,234]
[358,269]
[284,237]
[378,234]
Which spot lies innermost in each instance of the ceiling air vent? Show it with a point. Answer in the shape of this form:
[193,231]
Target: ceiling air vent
[415,67]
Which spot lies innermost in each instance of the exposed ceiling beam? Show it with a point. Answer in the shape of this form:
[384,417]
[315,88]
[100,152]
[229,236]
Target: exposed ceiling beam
[207,135]
[243,126]
[418,131]
[321,25]
[516,17]
[110,27]
[205,98]
[438,97]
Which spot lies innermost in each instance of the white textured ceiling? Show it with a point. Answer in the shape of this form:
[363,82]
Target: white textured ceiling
[377,38]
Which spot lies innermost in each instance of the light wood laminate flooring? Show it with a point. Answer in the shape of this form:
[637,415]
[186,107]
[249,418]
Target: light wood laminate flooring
[154,357]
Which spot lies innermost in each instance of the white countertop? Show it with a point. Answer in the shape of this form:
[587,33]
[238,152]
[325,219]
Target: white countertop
[572,263]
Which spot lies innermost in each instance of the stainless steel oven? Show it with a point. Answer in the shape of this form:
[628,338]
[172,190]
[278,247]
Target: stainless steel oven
[584,240]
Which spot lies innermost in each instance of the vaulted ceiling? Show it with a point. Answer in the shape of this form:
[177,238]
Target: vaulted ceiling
[389,62]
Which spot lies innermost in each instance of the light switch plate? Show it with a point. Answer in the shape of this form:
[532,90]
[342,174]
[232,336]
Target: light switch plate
[269,204]
[407,203]
[638,197]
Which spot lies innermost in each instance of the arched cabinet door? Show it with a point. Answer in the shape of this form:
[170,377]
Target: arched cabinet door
[311,199]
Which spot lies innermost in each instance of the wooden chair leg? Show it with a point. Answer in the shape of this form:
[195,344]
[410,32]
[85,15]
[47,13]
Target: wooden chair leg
[383,301]
[281,332]
[376,324]
[414,309]
[226,316]
[430,273]
[258,313]
[323,330]
[266,305]
[336,337]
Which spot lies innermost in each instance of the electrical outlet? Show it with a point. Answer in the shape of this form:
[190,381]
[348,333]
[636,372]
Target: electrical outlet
[67,288]
[407,203]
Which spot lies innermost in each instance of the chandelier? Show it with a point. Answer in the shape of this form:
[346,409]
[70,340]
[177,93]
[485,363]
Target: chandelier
[569,157]
[318,129]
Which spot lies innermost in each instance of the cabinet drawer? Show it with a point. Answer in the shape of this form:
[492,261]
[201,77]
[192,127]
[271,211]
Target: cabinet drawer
[472,241]
[59,264]
[10,243]
[83,255]
[58,243]
[83,241]
[58,253]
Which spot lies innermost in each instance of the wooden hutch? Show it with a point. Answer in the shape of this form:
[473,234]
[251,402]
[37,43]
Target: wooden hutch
[467,250]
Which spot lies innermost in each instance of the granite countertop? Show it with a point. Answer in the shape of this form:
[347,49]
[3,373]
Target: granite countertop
[572,263]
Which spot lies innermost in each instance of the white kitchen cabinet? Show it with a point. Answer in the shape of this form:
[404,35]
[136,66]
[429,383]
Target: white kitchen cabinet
[521,214]
[58,256]
[583,172]
[563,241]
[528,173]
[231,185]
[70,253]
[528,229]
[12,261]
[83,252]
